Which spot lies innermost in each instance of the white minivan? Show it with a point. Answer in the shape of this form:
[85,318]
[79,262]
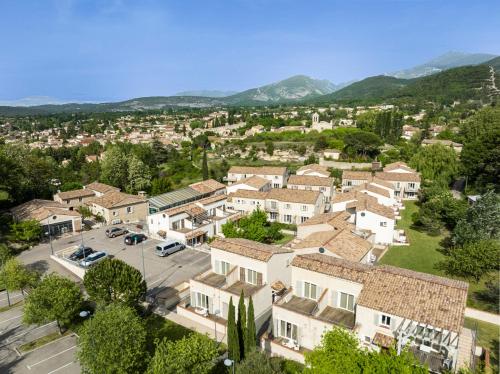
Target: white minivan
[168,247]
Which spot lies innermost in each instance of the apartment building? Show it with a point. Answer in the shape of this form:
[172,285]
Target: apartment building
[383,305]
[281,205]
[352,178]
[254,183]
[313,183]
[237,265]
[275,174]
[314,170]
[192,223]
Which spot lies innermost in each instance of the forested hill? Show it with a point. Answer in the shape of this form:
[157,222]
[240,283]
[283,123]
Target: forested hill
[463,83]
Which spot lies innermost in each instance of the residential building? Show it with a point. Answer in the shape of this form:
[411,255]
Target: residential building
[352,178]
[100,189]
[237,265]
[277,175]
[314,170]
[209,186]
[281,205]
[53,216]
[118,207]
[254,183]
[409,131]
[313,183]
[75,198]
[383,306]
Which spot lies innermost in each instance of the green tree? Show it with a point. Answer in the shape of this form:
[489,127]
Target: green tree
[85,211]
[204,166]
[241,324]
[253,227]
[26,231]
[233,342]
[436,163]
[113,280]
[15,276]
[69,186]
[312,159]
[55,298]
[269,147]
[391,362]
[389,126]
[362,143]
[250,336]
[320,143]
[473,260]
[160,185]
[258,363]
[114,168]
[113,341]
[139,177]
[194,353]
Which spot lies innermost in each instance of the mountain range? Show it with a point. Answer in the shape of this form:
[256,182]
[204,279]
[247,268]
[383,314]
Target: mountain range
[438,79]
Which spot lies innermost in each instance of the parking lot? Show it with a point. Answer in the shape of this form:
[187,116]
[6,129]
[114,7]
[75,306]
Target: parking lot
[161,272]
[55,357]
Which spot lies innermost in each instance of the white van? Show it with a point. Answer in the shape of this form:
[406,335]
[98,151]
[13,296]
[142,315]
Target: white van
[168,247]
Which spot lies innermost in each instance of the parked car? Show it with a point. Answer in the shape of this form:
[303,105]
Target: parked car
[81,253]
[113,232]
[132,239]
[93,259]
[168,247]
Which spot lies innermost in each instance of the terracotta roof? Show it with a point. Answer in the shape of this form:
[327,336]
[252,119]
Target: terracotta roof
[254,181]
[352,196]
[247,194]
[356,175]
[372,188]
[381,182]
[255,170]
[338,220]
[310,180]
[398,165]
[207,186]
[293,196]
[425,298]
[39,209]
[332,266]
[372,206]
[101,187]
[211,199]
[192,209]
[248,248]
[116,199]
[448,143]
[342,243]
[68,195]
[306,169]
[383,340]
[398,177]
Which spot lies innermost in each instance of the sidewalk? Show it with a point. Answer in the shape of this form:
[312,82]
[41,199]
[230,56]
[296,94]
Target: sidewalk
[483,316]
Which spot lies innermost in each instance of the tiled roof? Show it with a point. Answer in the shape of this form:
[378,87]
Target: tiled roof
[247,194]
[248,248]
[398,165]
[211,199]
[191,209]
[117,199]
[372,188]
[255,170]
[372,206]
[398,177]
[381,182]
[338,220]
[101,187]
[310,180]
[448,143]
[254,181]
[306,169]
[352,196]
[429,299]
[39,209]
[68,195]
[293,196]
[332,266]
[207,186]
[356,175]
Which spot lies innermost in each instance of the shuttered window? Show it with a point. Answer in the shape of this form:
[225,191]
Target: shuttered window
[251,276]
[310,291]
[288,330]
[346,301]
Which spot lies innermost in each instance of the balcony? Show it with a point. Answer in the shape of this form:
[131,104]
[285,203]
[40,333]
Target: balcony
[229,283]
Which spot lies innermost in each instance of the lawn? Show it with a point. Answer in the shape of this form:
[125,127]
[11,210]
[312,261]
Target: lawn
[285,239]
[423,254]
[487,337]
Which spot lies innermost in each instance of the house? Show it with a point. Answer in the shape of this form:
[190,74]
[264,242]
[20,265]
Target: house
[254,183]
[100,189]
[383,306]
[324,222]
[281,205]
[118,207]
[331,154]
[351,178]
[409,131]
[457,147]
[405,180]
[277,175]
[238,265]
[314,170]
[209,186]
[75,198]
[53,216]
[382,191]
[192,223]
[313,183]
[320,126]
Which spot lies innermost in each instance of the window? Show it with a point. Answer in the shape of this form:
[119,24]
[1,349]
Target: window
[411,185]
[80,199]
[251,276]
[288,206]
[310,290]
[349,183]
[398,185]
[383,224]
[304,208]
[224,267]
[273,205]
[200,300]
[287,218]
[303,219]
[322,189]
[273,215]
[243,202]
[385,321]
[288,330]
[347,301]
[130,209]
[115,214]
[276,185]
[368,339]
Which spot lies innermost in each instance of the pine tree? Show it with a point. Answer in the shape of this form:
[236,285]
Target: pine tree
[204,166]
[242,324]
[233,344]
[250,336]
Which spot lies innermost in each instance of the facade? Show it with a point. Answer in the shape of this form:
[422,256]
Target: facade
[351,178]
[75,198]
[118,207]
[383,306]
[275,174]
[237,265]
[281,205]
[313,183]
[254,183]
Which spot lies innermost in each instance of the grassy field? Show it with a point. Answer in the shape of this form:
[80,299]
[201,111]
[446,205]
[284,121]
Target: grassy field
[487,337]
[423,254]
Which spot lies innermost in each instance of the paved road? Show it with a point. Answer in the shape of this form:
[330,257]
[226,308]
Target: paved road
[483,316]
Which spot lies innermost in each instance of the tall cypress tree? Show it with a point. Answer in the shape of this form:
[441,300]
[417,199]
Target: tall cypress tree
[233,343]
[204,166]
[242,324]
[250,336]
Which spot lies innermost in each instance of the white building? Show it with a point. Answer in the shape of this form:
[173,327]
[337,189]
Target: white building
[313,183]
[320,126]
[275,174]
[382,305]
[237,265]
[254,183]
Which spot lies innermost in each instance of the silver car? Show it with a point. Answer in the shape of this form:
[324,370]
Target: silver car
[168,247]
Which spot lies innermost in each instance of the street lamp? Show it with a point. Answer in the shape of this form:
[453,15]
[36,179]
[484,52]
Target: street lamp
[50,233]
[228,362]
[216,312]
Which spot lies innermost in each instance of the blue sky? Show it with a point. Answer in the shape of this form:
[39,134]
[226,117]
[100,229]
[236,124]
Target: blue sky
[100,50]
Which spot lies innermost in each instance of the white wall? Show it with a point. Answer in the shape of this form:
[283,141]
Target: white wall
[371,221]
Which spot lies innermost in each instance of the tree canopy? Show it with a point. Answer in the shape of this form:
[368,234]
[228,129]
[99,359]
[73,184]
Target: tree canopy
[253,227]
[436,163]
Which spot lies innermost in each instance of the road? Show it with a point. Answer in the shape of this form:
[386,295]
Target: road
[483,316]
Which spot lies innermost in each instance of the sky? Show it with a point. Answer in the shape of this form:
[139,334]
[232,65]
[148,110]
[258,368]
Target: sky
[110,50]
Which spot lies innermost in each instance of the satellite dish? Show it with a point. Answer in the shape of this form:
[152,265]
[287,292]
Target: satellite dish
[321,250]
